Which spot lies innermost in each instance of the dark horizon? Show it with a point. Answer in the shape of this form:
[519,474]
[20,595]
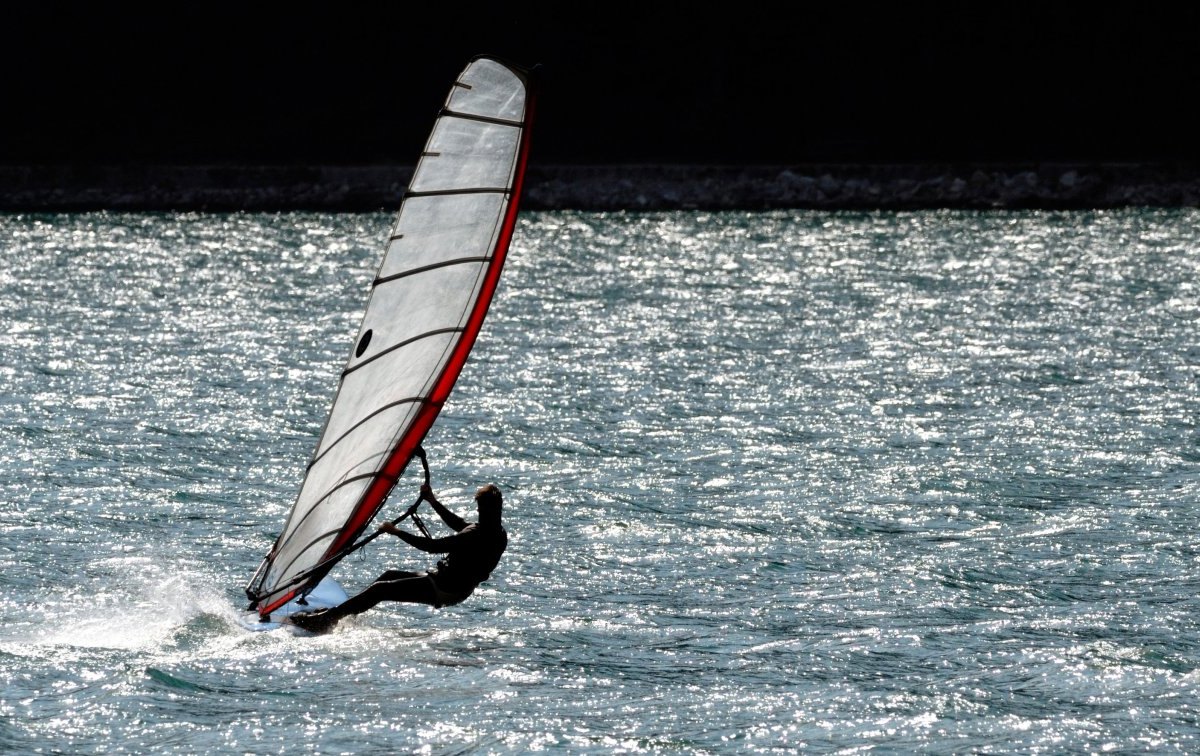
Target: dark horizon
[307,84]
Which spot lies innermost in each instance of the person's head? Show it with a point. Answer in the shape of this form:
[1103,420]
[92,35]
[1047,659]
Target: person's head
[489,500]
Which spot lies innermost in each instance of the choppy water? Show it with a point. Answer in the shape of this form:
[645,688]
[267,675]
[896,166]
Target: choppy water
[776,482]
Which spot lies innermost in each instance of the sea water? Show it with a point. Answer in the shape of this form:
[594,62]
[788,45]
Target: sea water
[775,482]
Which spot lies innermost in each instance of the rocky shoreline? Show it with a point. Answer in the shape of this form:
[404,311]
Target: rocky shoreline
[638,187]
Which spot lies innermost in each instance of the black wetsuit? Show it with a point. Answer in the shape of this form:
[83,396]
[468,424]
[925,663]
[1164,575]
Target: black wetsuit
[472,553]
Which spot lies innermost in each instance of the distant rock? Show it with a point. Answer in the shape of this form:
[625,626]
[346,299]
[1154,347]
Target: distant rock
[642,187]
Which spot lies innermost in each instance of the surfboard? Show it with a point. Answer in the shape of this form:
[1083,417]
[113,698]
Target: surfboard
[328,593]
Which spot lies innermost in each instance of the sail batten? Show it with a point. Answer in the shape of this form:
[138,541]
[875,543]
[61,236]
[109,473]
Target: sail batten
[327,448]
[427,304]
[451,192]
[414,339]
[433,266]
[482,118]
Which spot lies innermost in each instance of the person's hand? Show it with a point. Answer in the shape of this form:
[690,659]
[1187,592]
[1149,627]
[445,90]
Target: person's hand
[387,527]
[427,492]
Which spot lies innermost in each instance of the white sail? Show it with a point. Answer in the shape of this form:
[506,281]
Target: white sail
[437,278]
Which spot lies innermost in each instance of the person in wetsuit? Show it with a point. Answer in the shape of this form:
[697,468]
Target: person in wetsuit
[471,555]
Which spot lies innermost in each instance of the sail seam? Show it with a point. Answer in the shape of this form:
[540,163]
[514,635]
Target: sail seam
[360,423]
[325,496]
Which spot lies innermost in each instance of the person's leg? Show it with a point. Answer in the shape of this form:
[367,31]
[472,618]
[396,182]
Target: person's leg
[393,585]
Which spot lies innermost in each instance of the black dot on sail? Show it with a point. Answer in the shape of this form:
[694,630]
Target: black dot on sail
[362,343]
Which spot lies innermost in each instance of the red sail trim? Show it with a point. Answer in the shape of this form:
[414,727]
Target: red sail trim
[373,498]
[265,610]
[375,495]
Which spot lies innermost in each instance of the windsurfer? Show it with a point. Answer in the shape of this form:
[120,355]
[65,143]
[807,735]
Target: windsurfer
[471,555]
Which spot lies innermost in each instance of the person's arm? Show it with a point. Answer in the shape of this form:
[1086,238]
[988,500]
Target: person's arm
[453,521]
[431,545]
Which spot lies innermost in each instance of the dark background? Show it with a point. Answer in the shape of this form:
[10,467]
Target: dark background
[360,83]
